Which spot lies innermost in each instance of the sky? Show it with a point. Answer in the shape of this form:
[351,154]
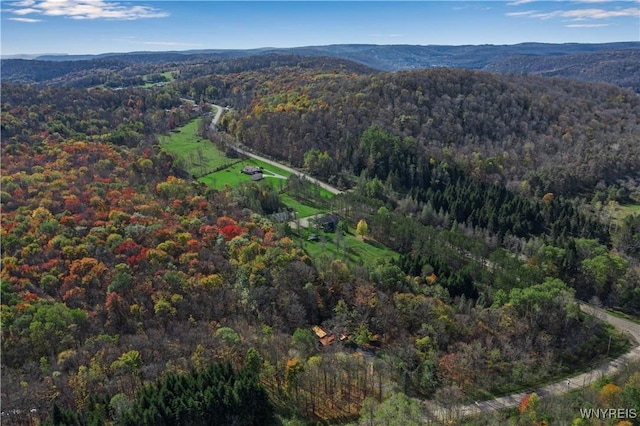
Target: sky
[100,26]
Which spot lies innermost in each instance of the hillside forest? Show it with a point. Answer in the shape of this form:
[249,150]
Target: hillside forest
[135,293]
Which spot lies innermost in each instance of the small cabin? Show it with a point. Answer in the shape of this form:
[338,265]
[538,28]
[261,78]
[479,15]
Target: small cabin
[328,223]
[324,338]
[251,170]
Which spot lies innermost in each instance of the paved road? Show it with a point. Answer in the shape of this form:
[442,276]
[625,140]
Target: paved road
[293,171]
[216,118]
[631,329]
[326,186]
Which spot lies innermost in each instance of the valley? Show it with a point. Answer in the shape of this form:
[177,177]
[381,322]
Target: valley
[334,241]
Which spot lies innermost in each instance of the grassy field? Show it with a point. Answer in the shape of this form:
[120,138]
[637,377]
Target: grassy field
[232,175]
[351,248]
[168,75]
[620,211]
[199,156]
[628,209]
[196,155]
[303,210]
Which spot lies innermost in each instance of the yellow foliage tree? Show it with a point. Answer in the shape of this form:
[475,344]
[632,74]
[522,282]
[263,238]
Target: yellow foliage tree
[609,395]
[362,228]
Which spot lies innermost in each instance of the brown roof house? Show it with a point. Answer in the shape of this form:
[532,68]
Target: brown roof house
[324,338]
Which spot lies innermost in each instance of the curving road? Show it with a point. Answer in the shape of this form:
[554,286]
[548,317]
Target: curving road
[293,171]
[631,329]
[216,118]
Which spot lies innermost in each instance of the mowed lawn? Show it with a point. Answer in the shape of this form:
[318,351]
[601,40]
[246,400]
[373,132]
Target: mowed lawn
[303,210]
[195,154]
[352,249]
[233,175]
[199,156]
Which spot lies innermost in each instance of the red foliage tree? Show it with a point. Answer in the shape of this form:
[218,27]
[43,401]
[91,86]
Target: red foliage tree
[231,231]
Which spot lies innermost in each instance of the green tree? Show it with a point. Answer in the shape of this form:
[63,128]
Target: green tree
[398,409]
[217,395]
[253,363]
[41,329]
[319,163]
[605,271]
[304,342]
[119,407]
[128,363]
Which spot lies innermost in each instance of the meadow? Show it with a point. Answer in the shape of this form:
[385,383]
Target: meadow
[198,156]
[203,159]
[346,246]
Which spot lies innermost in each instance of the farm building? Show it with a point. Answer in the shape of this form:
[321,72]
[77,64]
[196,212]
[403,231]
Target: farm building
[252,170]
[329,223]
[324,338]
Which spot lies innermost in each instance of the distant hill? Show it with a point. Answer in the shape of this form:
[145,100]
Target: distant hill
[621,67]
[615,63]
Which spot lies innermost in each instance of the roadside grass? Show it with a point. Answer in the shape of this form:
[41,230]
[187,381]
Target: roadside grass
[622,315]
[350,249]
[326,194]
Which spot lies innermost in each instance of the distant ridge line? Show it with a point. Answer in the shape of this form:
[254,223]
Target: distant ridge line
[559,48]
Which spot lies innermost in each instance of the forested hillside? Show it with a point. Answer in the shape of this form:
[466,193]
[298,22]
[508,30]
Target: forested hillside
[133,293]
[613,63]
[526,133]
[615,66]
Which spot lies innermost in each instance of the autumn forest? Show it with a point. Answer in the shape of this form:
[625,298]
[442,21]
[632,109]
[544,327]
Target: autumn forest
[473,211]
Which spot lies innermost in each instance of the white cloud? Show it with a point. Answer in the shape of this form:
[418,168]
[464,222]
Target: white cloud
[525,13]
[586,25]
[24,3]
[519,2]
[25,11]
[580,14]
[86,9]
[592,1]
[27,20]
